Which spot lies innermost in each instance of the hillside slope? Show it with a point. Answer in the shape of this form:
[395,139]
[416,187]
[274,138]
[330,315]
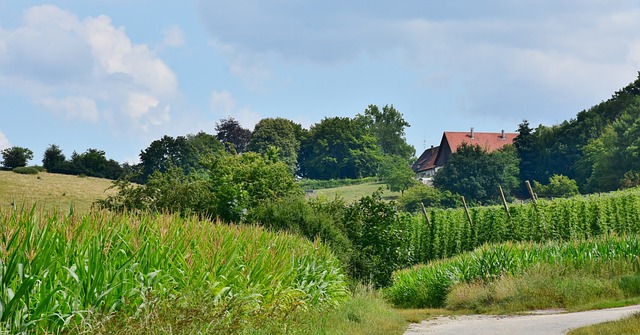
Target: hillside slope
[52,191]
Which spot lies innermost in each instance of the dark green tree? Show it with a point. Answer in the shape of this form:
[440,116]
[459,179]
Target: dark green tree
[388,126]
[279,133]
[185,152]
[16,157]
[476,174]
[94,163]
[53,159]
[339,147]
[232,135]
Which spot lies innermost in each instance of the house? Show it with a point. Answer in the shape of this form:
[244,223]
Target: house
[434,158]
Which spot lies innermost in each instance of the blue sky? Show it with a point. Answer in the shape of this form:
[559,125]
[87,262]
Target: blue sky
[117,74]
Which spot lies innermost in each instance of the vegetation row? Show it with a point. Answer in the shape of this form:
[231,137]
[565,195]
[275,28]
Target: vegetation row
[58,271]
[428,285]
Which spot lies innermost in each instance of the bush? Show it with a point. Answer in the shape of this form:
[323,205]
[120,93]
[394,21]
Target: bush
[39,168]
[25,170]
[559,186]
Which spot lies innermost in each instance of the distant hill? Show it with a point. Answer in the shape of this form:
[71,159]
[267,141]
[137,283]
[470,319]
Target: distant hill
[52,191]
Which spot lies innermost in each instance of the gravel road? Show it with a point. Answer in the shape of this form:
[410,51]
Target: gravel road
[537,324]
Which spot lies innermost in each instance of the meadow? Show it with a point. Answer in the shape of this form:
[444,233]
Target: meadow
[52,191]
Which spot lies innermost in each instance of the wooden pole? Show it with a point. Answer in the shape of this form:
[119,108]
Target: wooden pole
[533,195]
[466,209]
[424,211]
[504,202]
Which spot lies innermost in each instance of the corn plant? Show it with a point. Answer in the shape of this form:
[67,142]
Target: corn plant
[55,269]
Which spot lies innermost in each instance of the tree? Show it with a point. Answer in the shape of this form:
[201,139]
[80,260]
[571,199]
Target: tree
[339,147]
[615,153]
[559,186]
[94,163]
[232,135]
[388,127]
[185,152]
[16,157]
[396,173]
[53,159]
[279,133]
[476,174]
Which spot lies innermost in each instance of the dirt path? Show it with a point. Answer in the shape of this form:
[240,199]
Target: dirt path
[547,324]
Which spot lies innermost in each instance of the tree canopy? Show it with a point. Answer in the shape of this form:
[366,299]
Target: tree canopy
[16,157]
[476,174]
[388,125]
[283,134]
[232,135]
[340,147]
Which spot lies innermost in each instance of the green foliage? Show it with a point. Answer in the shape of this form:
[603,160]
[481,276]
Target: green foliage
[429,197]
[428,285]
[228,187]
[388,127]
[396,173]
[280,133]
[185,152]
[315,184]
[339,147]
[230,133]
[559,186]
[614,153]
[380,239]
[16,157]
[590,148]
[61,272]
[313,219]
[53,159]
[25,170]
[476,174]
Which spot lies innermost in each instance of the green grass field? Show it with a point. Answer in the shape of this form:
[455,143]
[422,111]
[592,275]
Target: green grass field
[52,191]
[352,193]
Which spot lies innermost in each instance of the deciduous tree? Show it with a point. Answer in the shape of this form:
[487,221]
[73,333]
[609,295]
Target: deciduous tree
[16,157]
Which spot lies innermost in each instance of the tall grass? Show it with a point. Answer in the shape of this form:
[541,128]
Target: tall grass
[428,285]
[57,270]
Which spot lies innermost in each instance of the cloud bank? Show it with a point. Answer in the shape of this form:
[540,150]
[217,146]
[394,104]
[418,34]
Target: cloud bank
[505,57]
[87,69]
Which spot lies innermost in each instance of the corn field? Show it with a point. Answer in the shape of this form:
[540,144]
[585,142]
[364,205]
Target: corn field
[55,269]
[428,285]
[450,232]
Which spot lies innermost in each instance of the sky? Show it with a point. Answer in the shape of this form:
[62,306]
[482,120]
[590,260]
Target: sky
[115,75]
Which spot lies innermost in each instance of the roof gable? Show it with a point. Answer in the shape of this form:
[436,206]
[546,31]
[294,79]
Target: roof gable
[427,160]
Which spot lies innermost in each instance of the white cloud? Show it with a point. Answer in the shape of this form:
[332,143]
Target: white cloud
[77,107]
[4,141]
[86,69]
[223,104]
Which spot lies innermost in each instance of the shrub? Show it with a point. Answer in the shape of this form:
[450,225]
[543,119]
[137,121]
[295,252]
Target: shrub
[429,196]
[25,170]
[559,186]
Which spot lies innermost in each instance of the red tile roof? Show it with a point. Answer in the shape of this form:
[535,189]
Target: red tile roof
[488,141]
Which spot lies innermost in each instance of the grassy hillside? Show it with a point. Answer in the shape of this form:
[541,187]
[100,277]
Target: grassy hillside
[53,191]
[352,193]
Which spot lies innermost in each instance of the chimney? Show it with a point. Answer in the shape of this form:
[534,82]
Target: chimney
[472,134]
[503,137]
